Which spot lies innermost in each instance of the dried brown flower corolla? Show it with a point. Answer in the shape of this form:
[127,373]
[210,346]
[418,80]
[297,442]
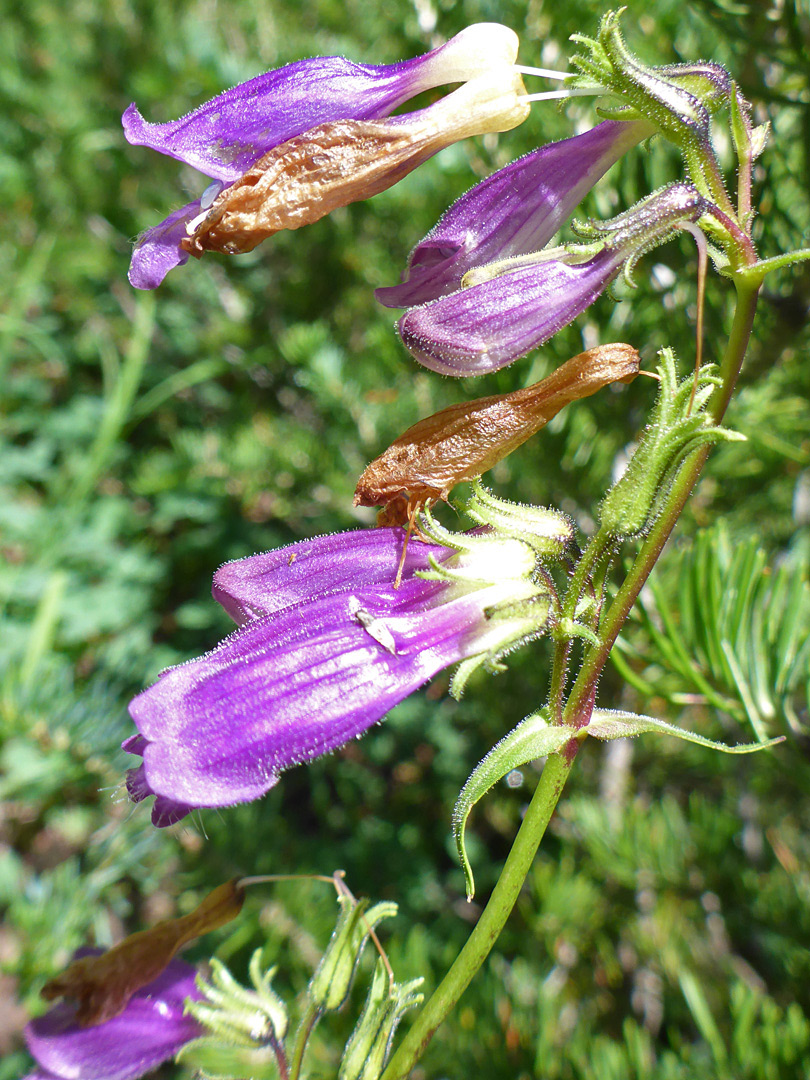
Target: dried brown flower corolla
[343,161]
[465,440]
[103,985]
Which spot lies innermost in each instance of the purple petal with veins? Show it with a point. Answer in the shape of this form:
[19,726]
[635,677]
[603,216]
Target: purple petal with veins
[515,211]
[485,327]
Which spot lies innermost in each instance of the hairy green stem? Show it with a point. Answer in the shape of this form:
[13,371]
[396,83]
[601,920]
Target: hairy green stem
[493,918]
[592,556]
[305,1028]
[615,616]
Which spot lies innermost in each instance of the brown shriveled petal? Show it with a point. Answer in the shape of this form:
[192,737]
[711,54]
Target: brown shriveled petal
[103,985]
[465,440]
[337,163]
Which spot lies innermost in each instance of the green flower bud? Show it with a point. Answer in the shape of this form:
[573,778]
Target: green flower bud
[215,1060]
[367,1050]
[332,981]
[680,425]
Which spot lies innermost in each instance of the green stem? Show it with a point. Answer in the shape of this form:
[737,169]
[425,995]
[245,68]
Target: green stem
[704,171]
[579,704]
[615,616]
[493,918]
[591,557]
[308,1022]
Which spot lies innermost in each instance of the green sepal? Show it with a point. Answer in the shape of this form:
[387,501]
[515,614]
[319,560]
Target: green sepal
[679,426]
[678,99]
[534,737]
[367,1050]
[548,532]
[330,985]
[523,621]
[233,1012]
[610,724]
[211,1058]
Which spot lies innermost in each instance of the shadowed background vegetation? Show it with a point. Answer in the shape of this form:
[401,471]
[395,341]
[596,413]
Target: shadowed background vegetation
[145,439]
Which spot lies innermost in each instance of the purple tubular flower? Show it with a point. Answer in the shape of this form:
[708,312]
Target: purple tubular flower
[516,210]
[505,309]
[487,326]
[327,647]
[226,136]
[262,584]
[148,1032]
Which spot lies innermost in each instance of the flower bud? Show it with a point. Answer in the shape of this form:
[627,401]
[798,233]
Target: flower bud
[680,425]
[367,1050]
[330,985]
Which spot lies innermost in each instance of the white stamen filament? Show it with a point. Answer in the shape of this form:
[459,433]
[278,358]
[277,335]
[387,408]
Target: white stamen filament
[549,94]
[544,73]
[193,225]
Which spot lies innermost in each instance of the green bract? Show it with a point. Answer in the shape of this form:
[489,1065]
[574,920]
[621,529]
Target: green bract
[680,425]
[367,1049]
[535,737]
[245,1025]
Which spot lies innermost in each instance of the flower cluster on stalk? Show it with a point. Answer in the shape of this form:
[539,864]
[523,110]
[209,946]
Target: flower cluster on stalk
[333,632]
[328,641]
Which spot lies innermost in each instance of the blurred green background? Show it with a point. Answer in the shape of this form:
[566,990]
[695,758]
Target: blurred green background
[145,439]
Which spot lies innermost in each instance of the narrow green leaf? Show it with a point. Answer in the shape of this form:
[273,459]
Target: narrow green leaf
[759,658]
[673,649]
[610,724]
[701,1013]
[744,690]
[628,674]
[746,573]
[793,625]
[534,737]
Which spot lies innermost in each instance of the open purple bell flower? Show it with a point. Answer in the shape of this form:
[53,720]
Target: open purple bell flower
[226,136]
[327,646]
[150,1030]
